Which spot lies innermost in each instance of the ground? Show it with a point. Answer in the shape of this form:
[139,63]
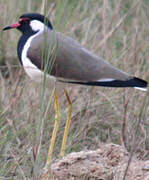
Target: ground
[107,162]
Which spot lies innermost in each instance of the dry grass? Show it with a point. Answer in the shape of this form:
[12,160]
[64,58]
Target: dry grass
[116,30]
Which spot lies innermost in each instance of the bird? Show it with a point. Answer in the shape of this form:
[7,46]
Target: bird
[72,62]
[41,49]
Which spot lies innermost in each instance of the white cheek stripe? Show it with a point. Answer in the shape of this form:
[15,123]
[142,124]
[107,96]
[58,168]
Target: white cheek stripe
[32,71]
[37,25]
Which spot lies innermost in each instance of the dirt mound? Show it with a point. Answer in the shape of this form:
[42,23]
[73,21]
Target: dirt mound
[109,162]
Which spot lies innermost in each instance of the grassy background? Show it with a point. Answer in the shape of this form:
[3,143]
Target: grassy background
[116,30]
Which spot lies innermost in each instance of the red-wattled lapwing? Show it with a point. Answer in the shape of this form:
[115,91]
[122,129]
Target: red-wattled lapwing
[68,61]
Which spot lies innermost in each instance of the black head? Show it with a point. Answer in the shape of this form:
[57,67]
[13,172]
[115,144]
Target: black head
[31,22]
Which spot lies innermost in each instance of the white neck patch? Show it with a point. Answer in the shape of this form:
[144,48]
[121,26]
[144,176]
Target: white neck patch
[37,25]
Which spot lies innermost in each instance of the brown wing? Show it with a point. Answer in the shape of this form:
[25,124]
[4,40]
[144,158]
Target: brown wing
[67,59]
[74,62]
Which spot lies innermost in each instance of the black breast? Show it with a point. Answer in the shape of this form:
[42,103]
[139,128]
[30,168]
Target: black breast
[23,39]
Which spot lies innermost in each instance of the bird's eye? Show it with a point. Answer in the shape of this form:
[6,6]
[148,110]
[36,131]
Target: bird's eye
[25,20]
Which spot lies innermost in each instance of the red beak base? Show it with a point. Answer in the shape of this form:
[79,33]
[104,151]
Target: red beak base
[16,25]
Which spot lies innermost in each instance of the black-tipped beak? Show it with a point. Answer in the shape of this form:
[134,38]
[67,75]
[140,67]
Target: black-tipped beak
[16,25]
[6,28]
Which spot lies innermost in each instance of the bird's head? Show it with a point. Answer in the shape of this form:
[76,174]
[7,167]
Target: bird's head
[31,22]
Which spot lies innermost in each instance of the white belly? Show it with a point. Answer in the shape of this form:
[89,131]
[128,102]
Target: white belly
[32,71]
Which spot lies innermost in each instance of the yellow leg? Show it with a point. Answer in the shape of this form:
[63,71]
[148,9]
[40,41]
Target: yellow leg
[63,146]
[56,126]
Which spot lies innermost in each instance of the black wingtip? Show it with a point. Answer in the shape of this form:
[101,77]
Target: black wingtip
[140,83]
[133,82]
